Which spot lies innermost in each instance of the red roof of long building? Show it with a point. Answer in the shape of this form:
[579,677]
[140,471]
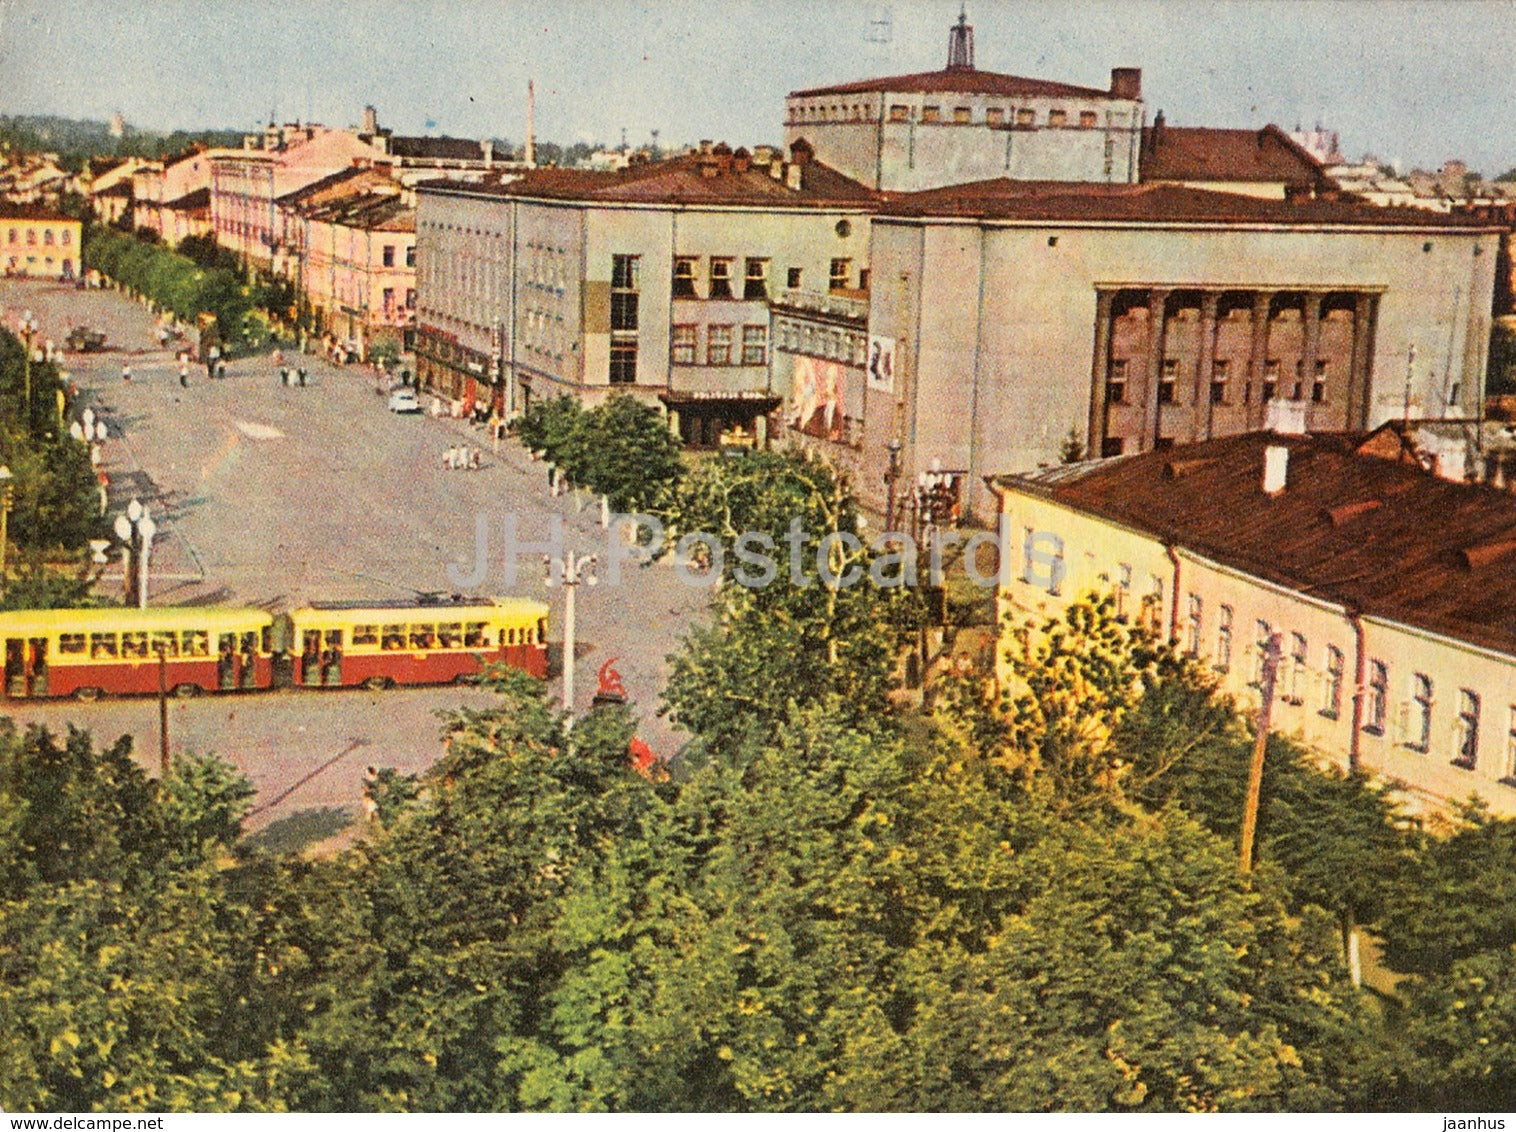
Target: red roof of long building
[961,80]
[1381,535]
[1202,153]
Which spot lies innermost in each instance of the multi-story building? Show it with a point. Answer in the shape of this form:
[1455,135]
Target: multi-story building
[1390,589]
[1129,318]
[655,280]
[359,254]
[924,131]
[1261,163]
[37,241]
[172,197]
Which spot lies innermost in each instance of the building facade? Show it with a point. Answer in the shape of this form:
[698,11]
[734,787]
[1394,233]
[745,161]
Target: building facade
[654,281]
[1389,588]
[1120,319]
[39,242]
[359,256]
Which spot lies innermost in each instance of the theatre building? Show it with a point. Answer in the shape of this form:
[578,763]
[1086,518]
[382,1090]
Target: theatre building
[654,281]
[1026,318]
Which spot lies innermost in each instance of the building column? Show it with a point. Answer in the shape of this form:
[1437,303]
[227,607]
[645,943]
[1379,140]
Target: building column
[1158,298]
[1262,300]
[1099,372]
[1312,342]
[1205,356]
[1359,380]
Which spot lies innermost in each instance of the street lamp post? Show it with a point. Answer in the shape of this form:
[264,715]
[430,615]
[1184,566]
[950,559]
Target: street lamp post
[7,495]
[890,476]
[572,570]
[28,330]
[136,530]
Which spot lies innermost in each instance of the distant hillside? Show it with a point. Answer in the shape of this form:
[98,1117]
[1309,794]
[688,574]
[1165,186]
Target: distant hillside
[75,141]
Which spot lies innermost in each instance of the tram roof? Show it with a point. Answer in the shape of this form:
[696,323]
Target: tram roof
[106,619]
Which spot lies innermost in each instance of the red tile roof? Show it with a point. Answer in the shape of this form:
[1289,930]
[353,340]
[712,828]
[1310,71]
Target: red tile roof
[10,210]
[959,81]
[1382,536]
[680,180]
[1054,201]
[1200,153]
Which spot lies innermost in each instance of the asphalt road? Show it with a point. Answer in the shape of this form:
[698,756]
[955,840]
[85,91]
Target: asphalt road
[268,495]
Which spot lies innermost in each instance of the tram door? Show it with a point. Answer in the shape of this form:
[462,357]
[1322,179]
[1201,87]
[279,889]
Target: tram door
[247,671]
[226,662]
[310,658]
[36,672]
[15,667]
[331,659]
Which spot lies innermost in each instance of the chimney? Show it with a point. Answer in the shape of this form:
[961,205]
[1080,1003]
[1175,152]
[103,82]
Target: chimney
[763,154]
[487,148]
[530,154]
[705,145]
[723,155]
[1126,82]
[792,177]
[801,152]
[776,168]
[370,120]
[741,160]
[1276,467]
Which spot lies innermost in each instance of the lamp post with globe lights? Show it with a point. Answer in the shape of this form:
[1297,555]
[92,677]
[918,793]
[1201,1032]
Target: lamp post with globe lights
[7,496]
[28,329]
[570,572]
[136,529]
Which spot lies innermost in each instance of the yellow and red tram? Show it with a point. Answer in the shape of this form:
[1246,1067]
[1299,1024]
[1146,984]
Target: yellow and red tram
[51,653]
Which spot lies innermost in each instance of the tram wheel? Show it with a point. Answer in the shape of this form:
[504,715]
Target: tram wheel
[87,695]
[187,691]
[378,683]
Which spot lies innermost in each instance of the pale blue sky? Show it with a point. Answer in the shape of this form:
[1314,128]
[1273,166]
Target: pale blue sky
[1418,81]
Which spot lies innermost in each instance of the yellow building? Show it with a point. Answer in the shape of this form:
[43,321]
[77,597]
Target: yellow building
[38,242]
[1389,589]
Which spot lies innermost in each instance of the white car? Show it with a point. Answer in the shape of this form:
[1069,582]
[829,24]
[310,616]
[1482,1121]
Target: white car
[404,400]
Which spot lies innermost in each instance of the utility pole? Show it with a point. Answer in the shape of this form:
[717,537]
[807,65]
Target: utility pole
[163,711]
[572,570]
[1260,744]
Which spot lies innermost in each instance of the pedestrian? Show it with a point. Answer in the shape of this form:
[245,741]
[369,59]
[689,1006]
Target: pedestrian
[126,372]
[473,459]
[183,375]
[302,374]
[370,789]
[278,357]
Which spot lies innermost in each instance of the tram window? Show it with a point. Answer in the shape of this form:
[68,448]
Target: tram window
[267,639]
[194,642]
[167,643]
[541,631]
[226,643]
[311,642]
[423,636]
[365,634]
[334,638]
[71,643]
[394,637]
[134,644]
[449,634]
[249,642]
[102,644]
[473,634]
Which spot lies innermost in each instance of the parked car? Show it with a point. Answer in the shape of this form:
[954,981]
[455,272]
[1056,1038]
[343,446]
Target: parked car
[404,400]
[83,340]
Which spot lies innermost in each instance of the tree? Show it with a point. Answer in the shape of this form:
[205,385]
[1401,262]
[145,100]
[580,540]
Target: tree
[630,456]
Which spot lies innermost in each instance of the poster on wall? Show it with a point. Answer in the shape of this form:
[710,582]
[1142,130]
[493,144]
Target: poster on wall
[881,365]
[816,405]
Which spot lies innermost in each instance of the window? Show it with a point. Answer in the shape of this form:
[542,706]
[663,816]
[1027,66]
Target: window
[387,257]
[623,363]
[1318,385]
[931,114]
[837,278]
[1299,654]
[755,345]
[423,636]
[1088,119]
[994,116]
[1112,446]
[1058,118]
[63,237]
[1270,380]
[1152,605]
[387,298]
[899,113]
[1220,373]
[1331,691]
[474,634]
[365,635]
[74,643]
[756,279]
[1419,731]
[684,277]
[194,642]
[410,256]
[31,236]
[1379,695]
[1224,639]
[721,278]
[1196,609]
[624,316]
[1123,588]
[682,345]
[393,637]
[863,279]
[1510,747]
[961,115]
[1026,117]
[102,644]
[1466,753]
[1167,380]
[1115,383]
[792,278]
[410,298]
[718,345]
[13,236]
[47,237]
[1262,633]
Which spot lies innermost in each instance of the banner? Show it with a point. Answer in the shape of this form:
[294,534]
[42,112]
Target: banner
[816,405]
[881,365]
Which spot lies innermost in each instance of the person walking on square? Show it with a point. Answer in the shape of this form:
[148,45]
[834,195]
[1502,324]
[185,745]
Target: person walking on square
[126,372]
[183,375]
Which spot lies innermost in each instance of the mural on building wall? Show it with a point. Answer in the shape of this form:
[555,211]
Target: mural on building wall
[818,393]
[881,368]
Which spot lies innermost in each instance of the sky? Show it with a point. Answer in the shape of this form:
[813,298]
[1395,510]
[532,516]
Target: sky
[1412,81]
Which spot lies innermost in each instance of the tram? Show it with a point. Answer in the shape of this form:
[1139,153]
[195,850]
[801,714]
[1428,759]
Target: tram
[86,653]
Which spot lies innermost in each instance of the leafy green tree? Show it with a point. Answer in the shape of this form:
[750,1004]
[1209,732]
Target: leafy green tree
[629,455]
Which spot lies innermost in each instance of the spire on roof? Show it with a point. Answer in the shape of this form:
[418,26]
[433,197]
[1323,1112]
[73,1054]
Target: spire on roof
[961,43]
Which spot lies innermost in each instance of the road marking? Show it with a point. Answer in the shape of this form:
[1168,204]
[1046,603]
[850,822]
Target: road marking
[258,431]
